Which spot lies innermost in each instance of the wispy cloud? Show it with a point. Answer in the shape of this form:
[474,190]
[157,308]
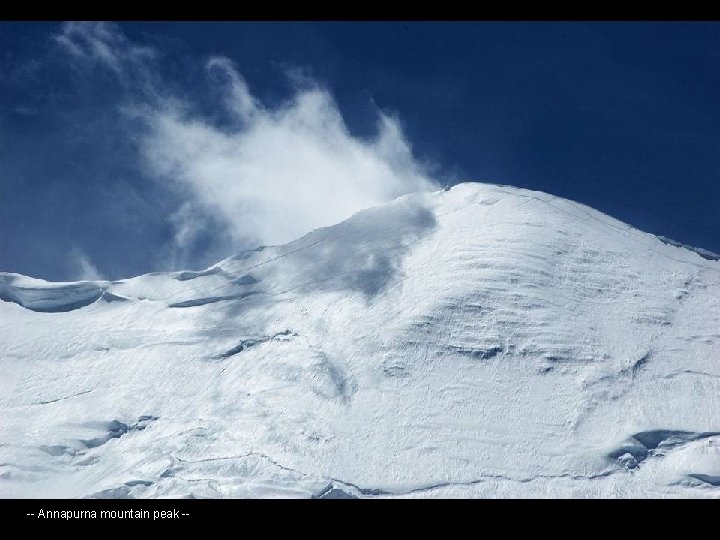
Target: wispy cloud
[21,110]
[82,268]
[105,45]
[267,174]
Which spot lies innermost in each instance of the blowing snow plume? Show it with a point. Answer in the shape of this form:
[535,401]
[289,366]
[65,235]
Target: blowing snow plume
[263,175]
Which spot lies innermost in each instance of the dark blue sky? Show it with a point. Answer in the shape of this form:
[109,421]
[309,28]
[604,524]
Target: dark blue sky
[624,117]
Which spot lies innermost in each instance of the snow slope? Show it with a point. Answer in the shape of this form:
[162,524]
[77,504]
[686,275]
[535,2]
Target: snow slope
[482,341]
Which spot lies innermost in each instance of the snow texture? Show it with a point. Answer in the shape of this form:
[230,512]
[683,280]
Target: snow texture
[484,341]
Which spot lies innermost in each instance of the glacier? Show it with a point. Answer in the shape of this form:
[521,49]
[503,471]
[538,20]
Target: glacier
[481,341]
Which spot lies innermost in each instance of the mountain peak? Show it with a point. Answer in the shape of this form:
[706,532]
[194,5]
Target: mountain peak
[479,341]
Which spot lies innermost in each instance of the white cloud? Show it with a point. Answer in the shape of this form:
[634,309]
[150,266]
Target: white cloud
[272,176]
[280,173]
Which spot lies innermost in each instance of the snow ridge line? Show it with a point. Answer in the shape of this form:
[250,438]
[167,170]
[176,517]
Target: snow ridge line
[390,233]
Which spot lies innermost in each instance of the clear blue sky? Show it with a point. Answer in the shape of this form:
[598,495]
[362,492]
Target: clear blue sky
[624,117]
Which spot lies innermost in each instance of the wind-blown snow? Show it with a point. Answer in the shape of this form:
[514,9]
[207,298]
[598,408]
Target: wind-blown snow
[482,341]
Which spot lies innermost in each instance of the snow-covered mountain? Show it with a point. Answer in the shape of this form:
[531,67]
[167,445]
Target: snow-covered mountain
[482,341]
